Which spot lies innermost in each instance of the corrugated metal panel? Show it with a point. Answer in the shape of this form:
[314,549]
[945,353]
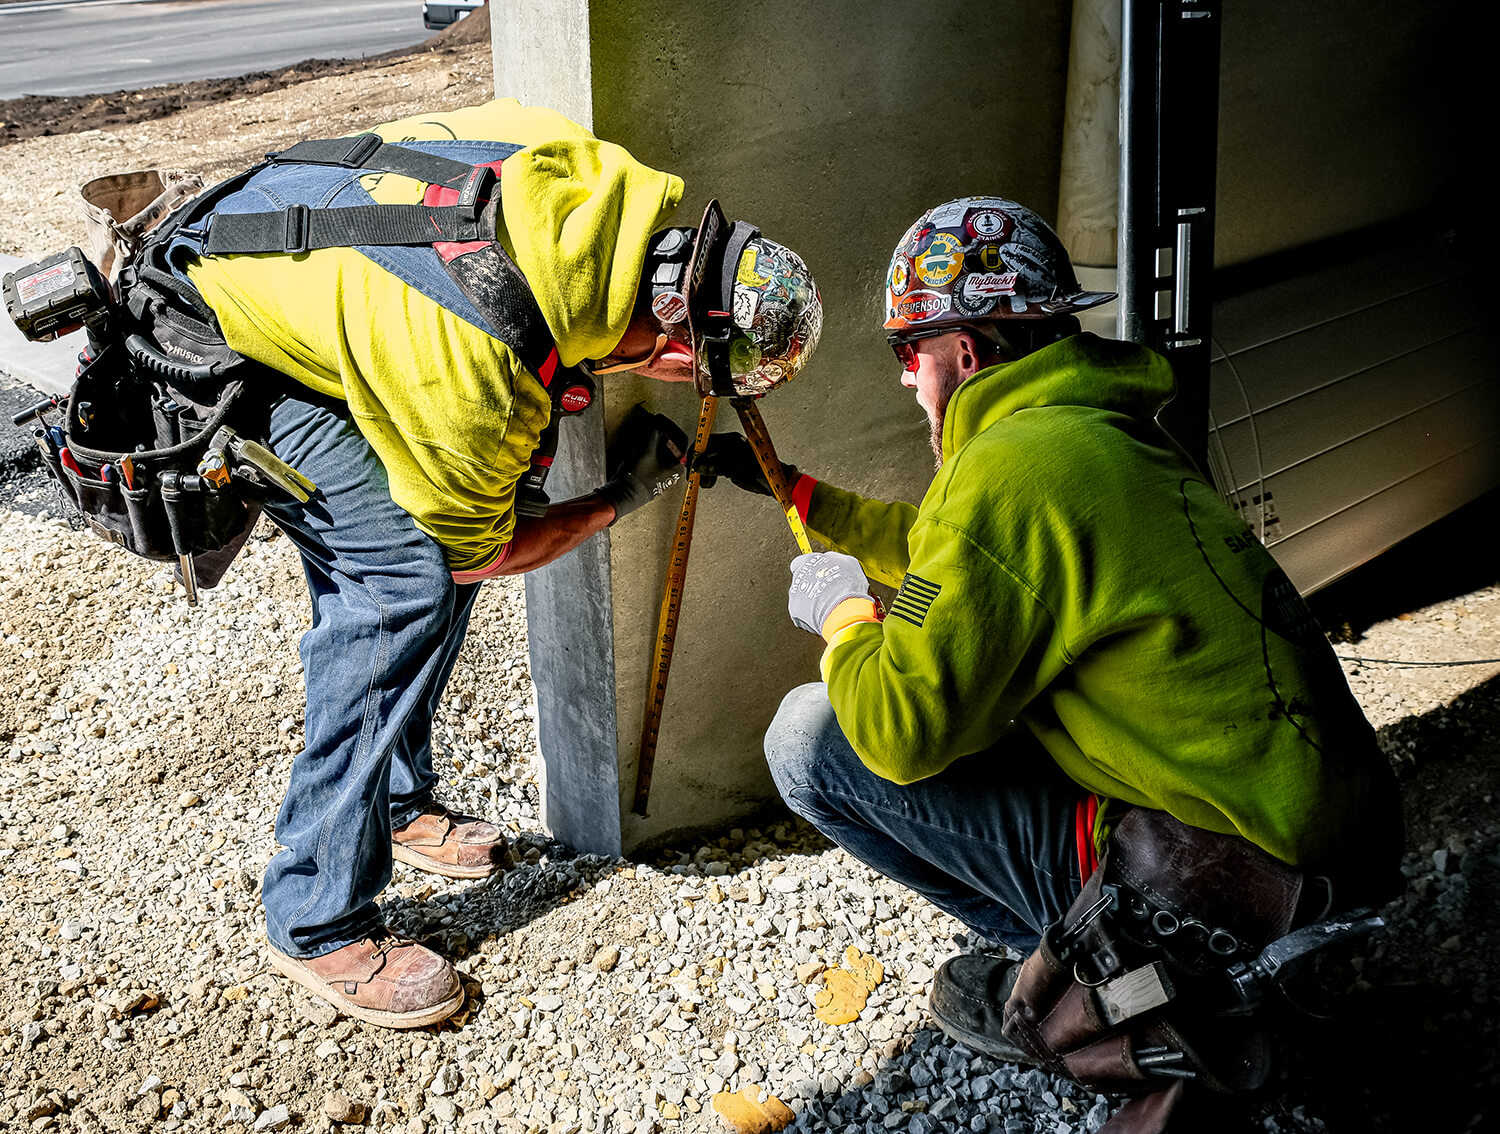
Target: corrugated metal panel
[1354,405]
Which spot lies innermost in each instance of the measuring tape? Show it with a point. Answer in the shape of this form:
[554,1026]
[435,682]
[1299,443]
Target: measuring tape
[671,606]
[770,464]
[682,542]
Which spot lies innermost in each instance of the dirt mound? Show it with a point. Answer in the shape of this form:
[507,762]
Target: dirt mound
[33,116]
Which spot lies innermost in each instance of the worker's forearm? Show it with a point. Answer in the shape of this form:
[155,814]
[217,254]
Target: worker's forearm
[538,541]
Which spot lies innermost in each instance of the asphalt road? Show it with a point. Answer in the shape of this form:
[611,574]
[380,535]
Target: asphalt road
[71,47]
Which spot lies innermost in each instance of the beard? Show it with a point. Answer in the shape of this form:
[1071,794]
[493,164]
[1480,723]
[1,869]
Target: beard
[949,379]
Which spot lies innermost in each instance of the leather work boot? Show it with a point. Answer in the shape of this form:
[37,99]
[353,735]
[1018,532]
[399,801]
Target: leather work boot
[443,842]
[384,979]
[968,1000]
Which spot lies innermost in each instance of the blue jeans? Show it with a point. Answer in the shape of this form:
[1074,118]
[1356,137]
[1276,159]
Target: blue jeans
[989,840]
[387,624]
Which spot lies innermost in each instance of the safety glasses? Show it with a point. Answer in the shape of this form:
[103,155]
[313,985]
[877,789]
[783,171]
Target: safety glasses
[903,343]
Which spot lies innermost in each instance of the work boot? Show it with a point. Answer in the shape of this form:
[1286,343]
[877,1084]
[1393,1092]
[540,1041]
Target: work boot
[384,979]
[968,1001]
[443,842]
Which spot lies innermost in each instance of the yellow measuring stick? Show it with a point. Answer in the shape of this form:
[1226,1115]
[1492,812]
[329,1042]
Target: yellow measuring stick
[671,606]
[682,542]
[765,453]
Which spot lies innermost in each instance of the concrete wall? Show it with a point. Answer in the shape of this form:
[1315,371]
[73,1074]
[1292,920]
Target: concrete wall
[833,126]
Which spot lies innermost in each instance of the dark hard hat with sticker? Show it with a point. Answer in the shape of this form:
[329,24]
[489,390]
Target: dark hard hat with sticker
[750,307]
[980,258]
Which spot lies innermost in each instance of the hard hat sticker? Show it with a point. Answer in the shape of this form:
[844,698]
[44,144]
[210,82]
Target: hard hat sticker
[941,261]
[991,284]
[950,214]
[900,275]
[670,307]
[987,257]
[988,224]
[920,306]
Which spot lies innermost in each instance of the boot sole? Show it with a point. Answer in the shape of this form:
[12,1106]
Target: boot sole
[983,1044]
[417,1018]
[402,853]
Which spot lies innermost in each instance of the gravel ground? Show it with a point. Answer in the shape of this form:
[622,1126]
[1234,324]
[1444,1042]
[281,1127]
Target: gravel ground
[142,754]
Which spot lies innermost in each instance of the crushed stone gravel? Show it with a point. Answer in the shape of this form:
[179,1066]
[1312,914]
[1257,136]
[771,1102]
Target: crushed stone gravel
[143,747]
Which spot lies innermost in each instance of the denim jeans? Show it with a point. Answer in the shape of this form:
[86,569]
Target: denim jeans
[387,624]
[989,840]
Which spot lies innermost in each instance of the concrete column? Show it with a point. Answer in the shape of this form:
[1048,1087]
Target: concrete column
[1088,197]
[541,57]
[832,127]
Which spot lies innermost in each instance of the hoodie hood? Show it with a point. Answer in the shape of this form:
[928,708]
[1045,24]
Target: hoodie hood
[578,213]
[1082,370]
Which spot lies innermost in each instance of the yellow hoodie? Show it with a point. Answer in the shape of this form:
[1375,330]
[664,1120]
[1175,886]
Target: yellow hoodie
[448,408]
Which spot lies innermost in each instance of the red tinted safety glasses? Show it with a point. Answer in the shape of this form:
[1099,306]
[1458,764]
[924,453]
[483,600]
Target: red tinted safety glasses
[903,342]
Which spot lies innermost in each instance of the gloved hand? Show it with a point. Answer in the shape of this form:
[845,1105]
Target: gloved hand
[646,457]
[729,454]
[820,581]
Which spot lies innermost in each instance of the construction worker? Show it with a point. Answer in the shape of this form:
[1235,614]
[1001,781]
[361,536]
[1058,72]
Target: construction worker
[418,415]
[1083,630]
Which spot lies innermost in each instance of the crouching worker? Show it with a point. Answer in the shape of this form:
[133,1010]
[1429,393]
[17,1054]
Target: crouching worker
[439,292]
[1088,658]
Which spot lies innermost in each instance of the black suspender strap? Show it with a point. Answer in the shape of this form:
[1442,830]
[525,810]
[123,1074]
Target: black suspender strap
[367,151]
[298,228]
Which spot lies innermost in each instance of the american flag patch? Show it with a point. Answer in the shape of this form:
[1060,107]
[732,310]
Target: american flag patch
[914,599]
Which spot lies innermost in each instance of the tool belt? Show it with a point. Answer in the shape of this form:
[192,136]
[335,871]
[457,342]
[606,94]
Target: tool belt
[169,469]
[1157,974]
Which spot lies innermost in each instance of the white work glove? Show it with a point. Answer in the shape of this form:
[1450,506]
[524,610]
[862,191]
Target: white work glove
[820,581]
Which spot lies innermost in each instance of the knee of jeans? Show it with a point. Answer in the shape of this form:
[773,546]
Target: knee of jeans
[794,739]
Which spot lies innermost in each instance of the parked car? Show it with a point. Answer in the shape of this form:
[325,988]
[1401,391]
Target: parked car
[439,16]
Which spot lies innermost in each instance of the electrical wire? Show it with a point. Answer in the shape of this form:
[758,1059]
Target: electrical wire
[1259,526]
[1417,664]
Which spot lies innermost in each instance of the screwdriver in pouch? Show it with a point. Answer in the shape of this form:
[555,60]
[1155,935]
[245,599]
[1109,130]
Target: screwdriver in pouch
[172,500]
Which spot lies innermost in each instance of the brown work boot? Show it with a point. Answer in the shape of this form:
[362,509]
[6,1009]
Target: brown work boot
[384,979]
[443,842]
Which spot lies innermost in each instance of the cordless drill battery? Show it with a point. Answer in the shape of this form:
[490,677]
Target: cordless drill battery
[55,295]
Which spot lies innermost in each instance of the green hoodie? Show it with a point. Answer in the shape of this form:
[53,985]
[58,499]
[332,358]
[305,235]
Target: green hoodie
[449,410]
[1069,569]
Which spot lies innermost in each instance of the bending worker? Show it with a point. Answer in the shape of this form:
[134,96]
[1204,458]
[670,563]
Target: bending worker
[1083,627]
[418,415]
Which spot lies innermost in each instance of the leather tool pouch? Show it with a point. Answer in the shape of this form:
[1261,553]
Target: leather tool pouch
[1128,993]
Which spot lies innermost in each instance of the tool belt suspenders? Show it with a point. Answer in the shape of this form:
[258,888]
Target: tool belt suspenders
[485,274]
[160,452]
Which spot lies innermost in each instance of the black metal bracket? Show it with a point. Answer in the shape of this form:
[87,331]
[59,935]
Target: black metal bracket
[1169,91]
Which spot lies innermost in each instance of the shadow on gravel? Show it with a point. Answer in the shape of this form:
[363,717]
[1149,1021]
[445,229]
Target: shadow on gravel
[1417,1045]
[1440,562]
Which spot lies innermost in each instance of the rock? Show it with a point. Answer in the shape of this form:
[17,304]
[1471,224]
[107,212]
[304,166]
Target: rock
[274,1118]
[607,958]
[447,1080]
[318,1012]
[339,1107]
